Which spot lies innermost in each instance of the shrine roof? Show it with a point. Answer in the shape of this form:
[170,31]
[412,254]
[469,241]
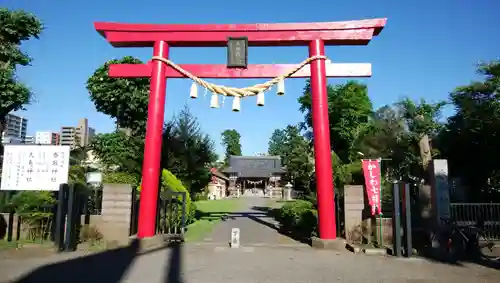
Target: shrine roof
[220,175]
[254,166]
[255,173]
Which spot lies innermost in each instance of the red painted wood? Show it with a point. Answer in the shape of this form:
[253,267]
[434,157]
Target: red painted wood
[322,150]
[215,35]
[360,24]
[152,145]
[219,39]
[214,71]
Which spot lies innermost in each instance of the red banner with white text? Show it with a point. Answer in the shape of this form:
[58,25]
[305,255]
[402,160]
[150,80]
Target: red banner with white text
[371,171]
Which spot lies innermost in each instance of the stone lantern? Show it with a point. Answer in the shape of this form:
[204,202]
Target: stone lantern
[287,191]
[270,191]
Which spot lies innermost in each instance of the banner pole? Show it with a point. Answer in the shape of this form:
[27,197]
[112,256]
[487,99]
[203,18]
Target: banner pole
[381,234]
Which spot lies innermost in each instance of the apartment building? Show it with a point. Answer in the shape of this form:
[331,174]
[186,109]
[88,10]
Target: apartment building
[29,140]
[47,138]
[68,136]
[81,135]
[11,140]
[15,129]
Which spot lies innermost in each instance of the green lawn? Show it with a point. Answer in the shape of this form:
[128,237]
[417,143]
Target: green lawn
[19,244]
[211,211]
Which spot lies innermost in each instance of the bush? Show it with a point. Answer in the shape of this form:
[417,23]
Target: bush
[299,218]
[121,178]
[35,209]
[310,198]
[308,223]
[171,183]
[203,195]
[90,234]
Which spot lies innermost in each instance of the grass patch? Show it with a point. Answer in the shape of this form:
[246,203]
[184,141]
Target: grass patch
[218,206]
[199,229]
[209,212]
[5,245]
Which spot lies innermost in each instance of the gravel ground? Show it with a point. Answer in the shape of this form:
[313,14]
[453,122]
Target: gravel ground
[209,263]
[264,256]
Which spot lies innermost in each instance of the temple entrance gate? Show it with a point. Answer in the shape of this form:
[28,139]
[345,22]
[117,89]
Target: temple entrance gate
[238,37]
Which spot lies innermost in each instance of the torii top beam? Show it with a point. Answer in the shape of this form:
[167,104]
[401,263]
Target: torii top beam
[216,35]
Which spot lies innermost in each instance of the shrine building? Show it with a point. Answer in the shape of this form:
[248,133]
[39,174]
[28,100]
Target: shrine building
[254,176]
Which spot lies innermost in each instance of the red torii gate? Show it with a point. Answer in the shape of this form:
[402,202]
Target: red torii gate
[313,35]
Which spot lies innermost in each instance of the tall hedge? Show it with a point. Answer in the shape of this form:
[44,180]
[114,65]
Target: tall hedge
[170,182]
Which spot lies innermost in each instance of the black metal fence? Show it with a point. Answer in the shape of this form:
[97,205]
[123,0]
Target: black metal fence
[58,220]
[340,215]
[170,216]
[27,217]
[487,214]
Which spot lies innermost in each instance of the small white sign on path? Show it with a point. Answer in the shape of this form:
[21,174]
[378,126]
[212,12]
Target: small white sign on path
[235,238]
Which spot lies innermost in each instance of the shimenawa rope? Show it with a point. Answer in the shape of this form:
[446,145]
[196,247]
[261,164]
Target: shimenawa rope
[238,92]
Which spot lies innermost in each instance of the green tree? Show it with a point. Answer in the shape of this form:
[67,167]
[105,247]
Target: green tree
[187,152]
[124,99]
[15,28]
[276,145]
[423,125]
[388,137]
[77,166]
[386,129]
[118,151]
[470,139]
[231,143]
[349,110]
[295,153]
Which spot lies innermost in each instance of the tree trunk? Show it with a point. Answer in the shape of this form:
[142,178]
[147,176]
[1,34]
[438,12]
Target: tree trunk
[2,127]
[425,151]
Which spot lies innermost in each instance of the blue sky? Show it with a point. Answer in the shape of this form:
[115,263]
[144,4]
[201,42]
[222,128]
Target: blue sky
[427,49]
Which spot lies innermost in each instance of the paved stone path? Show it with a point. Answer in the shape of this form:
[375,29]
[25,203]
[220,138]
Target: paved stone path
[256,228]
[214,264]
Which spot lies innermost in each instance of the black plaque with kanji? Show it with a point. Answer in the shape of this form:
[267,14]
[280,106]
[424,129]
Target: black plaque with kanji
[237,52]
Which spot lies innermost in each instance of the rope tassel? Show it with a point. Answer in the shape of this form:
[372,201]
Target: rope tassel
[281,87]
[236,103]
[214,101]
[260,99]
[193,93]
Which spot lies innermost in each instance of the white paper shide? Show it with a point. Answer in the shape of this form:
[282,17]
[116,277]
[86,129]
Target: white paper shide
[34,167]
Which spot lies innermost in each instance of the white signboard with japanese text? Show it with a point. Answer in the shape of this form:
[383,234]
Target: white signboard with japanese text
[34,167]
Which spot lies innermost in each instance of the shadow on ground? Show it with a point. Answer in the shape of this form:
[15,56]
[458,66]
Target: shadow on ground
[438,255]
[106,267]
[261,214]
